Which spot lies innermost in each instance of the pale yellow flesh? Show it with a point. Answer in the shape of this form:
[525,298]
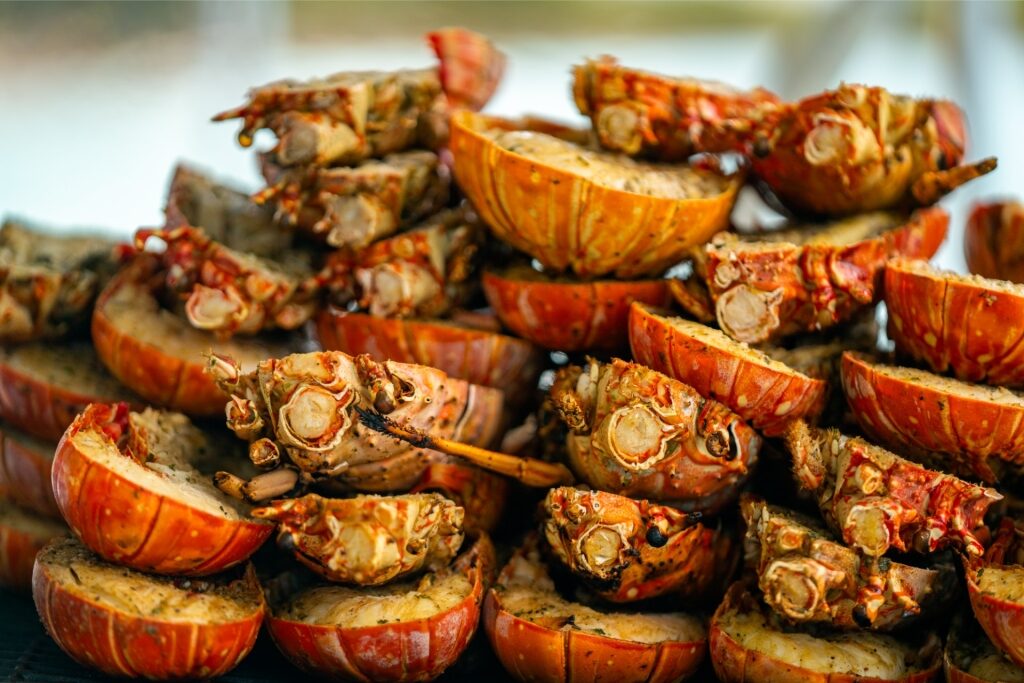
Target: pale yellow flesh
[38,447]
[175,445]
[609,170]
[133,593]
[837,233]
[334,605]
[993,666]
[134,312]
[1005,583]
[860,653]
[73,367]
[531,595]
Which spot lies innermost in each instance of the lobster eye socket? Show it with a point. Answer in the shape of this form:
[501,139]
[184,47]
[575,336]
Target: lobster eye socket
[722,443]
[655,537]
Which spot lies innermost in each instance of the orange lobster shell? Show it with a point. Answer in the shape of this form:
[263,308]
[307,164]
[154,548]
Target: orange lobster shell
[569,222]
[122,642]
[169,375]
[567,315]
[554,650]
[764,392]
[22,536]
[132,515]
[1001,617]
[477,355]
[480,493]
[926,415]
[25,472]
[37,402]
[418,650]
[994,240]
[968,326]
[787,287]
[736,662]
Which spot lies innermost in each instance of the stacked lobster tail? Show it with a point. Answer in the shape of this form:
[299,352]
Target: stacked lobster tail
[48,373]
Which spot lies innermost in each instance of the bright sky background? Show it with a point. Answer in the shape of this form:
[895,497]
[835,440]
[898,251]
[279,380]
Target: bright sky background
[99,101]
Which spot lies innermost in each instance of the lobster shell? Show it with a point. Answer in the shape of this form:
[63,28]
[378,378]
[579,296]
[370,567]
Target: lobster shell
[570,222]
[1001,616]
[926,415]
[477,355]
[805,282]
[970,657]
[416,650]
[25,465]
[44,386]
[138,516]
[536,647]
[567,315]
[763,391]
[994,240]
[160,356]
[967,325]
[122,637]
[735,662]
[22,535]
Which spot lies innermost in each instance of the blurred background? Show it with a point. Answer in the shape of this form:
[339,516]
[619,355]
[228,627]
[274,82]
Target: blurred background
[99,100]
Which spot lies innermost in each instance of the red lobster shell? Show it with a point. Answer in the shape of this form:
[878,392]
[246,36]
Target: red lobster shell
[568,315]
[994,240]
[636,432]
[875,500]
[765,392]
[966,325]
[994,586]
[460,349]
[539,636]
[25,465]
[807,281]
[410,631]
[22,536]
[972,429]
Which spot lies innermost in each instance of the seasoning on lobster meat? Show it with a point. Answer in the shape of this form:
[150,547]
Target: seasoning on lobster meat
[645,114]
[636,432]
[467,346]
[135,488]
[859,148]
[966,325]
[300,411]
[575,208]
[368,540]
[970,657]
[423,272]
[224,213]
[875,500]
[48,283]
[748,644]
[22,535]
[540,636]
[158,354]
[25,465]
[994,240]
[353,206]
[229,292]
[629,550]
[763,391]
[971,429]
[355,115]
[562,314]
[407,631]
[129,624]
[781,283]
[44,385]
[995,584]
[806,577]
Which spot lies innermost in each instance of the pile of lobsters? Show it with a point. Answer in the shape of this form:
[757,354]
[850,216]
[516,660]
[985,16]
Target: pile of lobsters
[530,375]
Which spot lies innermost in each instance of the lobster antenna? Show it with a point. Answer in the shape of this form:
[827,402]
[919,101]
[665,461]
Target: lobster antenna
[530,471]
